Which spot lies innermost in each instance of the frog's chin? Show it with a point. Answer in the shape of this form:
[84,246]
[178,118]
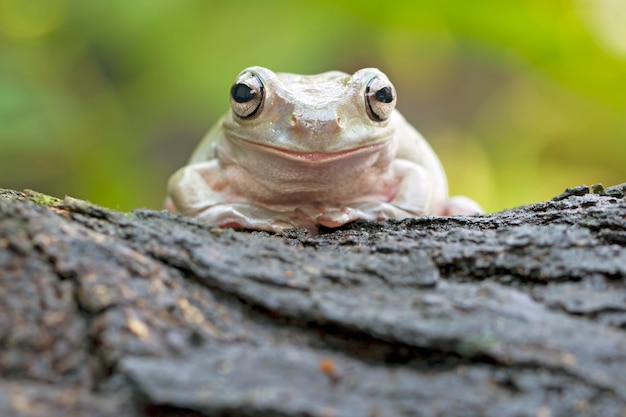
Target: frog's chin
[313,157]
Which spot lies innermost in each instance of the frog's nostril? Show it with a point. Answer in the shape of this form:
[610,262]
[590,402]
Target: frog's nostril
[317,123]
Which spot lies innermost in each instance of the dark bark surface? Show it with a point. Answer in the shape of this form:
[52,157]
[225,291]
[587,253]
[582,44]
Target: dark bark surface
[517,313]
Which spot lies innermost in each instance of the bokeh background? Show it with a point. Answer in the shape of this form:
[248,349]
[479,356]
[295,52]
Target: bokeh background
[103,100]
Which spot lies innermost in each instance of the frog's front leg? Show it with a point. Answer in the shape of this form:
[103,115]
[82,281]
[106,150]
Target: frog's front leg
[201,191]
[408,189]
[419,193]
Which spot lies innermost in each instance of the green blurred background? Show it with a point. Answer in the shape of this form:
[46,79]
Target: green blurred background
[103,100]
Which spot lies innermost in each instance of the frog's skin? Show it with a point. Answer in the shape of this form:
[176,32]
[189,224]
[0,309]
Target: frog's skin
[309,151]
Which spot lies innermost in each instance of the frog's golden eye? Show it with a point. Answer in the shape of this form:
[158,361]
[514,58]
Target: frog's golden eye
[247,95]
[380,99]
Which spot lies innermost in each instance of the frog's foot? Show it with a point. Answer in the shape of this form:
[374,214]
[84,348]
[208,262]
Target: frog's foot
[246,216]
[338,216]
[322,215]
[461,206]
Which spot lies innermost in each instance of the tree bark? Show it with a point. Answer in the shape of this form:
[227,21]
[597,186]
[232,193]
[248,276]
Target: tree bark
[517,313]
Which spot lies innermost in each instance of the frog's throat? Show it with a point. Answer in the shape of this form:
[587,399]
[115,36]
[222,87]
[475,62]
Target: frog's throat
[311,157]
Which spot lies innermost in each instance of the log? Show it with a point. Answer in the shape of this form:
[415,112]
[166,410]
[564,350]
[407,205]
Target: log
[516,313]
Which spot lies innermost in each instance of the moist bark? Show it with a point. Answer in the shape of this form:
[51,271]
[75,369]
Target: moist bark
[516,313]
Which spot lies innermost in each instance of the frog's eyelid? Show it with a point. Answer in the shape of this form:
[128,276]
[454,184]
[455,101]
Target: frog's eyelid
[247,95]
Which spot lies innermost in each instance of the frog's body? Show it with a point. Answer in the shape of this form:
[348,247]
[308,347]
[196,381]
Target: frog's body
[309,151]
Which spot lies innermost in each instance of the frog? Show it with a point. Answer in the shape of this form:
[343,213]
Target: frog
[311,152]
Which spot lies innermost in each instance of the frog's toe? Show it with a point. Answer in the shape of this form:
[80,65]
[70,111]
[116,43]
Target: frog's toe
[337,217]
[275,226]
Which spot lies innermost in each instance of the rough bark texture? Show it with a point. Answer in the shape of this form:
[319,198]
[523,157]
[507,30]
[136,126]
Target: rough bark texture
[518,313]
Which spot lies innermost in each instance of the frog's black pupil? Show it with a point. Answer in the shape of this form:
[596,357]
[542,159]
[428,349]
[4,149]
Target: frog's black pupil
[384,95]
[242,93]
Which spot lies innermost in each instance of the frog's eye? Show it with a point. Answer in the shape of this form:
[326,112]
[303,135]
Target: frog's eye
[247,95]
[380,99]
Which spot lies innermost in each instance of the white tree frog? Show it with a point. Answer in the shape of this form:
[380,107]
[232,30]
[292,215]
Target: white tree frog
[309,151]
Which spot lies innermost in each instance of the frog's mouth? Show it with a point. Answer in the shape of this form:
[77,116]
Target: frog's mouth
[313,157]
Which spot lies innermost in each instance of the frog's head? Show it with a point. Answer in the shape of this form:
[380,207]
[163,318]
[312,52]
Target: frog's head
[311,116]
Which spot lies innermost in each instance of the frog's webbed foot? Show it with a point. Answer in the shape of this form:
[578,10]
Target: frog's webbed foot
[246,216]
[461,206]
[338,216]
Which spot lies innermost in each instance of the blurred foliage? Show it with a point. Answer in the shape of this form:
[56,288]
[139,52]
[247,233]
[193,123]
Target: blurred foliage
[104,100]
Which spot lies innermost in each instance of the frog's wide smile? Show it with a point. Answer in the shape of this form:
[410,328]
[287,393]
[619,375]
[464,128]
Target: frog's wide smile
[311,157]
